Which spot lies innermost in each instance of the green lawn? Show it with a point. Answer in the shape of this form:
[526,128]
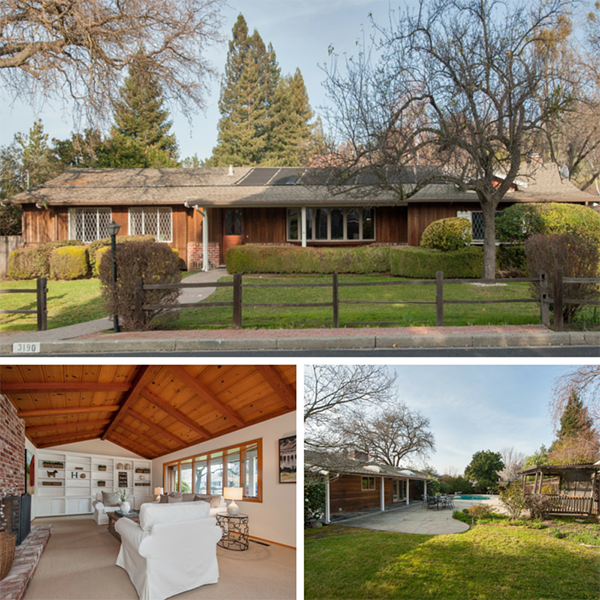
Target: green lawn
[69,302]
[398,314]
[484,563]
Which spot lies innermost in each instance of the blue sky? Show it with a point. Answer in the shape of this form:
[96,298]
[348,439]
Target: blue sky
[301,32]
[480,407]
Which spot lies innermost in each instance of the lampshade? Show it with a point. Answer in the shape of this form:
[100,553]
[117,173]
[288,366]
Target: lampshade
[233,493]
[113,228]
[158,491]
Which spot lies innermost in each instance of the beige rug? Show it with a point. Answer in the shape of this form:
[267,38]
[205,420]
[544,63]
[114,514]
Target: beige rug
[79,564]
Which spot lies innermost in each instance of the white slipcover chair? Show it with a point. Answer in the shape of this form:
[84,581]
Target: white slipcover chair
[172,550]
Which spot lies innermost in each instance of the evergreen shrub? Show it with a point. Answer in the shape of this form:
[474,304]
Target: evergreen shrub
[511,261]
[69,262]
[519,222]
[155,264]
[21,264]
[249,258]
[422,263]
[42,252]
[314,501]
[105,242]
[448,234]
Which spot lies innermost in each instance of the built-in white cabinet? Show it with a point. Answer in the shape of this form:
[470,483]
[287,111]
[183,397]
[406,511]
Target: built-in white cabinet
[67,482]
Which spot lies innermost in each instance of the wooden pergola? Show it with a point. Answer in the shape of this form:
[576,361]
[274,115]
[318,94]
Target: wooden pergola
[578,487]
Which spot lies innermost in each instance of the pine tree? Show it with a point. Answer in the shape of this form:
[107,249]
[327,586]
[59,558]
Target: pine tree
[246,100]
[575,419]
[141,134]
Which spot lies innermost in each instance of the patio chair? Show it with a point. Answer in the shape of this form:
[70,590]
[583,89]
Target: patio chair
[432,502]
[424,501]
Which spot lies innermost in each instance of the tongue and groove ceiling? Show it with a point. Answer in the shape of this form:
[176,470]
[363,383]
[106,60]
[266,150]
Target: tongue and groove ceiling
[150,410]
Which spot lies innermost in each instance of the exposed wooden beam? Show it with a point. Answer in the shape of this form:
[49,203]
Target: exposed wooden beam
[171,436]
[55,426]
[175,413]
[144,375]
[285,391]
[57,412]
[206,394]
[121,440]
[53,439]
[53,387]
[68,440]
[145,437]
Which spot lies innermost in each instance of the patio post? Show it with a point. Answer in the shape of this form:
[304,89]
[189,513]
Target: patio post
[205,263]
[425,487]
[407,492]
[303,225]
[382,494]
[327,503]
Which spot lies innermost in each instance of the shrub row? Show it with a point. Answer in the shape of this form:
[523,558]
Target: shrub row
[28,263]
[401,261]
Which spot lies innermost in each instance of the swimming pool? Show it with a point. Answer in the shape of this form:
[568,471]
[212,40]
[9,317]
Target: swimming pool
[472,497]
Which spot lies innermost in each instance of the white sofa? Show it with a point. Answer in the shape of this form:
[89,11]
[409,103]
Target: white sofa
[101,511]
[172,550]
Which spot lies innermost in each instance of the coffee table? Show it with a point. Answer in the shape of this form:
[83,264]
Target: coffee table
[115,515]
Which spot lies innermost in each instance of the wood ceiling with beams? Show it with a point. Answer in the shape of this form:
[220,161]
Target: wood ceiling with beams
[150,410]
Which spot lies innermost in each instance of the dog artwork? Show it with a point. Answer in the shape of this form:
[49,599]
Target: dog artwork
[52,473]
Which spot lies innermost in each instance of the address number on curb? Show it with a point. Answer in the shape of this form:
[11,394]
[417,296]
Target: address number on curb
[26,347]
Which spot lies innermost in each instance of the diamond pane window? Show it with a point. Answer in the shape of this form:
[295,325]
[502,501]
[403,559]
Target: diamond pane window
[150,220]
[477,224]
[89,224]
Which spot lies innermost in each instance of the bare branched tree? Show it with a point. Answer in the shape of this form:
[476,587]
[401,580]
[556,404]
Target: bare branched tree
[513,461]
[468,83]
[585,383]
[79,49]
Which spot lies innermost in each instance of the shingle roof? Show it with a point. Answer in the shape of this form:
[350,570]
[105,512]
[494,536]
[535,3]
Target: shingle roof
[262,186]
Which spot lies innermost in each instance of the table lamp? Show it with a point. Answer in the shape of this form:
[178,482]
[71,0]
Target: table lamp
[233,494]
[158,492]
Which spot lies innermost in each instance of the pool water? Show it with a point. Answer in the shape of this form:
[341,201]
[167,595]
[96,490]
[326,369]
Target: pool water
[471,497]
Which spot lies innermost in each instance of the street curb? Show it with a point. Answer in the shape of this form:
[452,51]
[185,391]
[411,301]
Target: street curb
[357,342]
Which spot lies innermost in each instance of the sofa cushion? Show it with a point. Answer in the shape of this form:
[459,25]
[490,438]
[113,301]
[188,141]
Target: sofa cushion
[153,514]
[110,499]
[175,497]
[214,501]
[188,497]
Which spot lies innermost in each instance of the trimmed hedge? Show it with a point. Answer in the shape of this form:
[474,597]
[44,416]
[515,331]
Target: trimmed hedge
[519,222]
[69,262]
[401,261]
[447,235]
[422,263]
[249,258]
[95,264]
[21,264]
[97,244]
[511,261]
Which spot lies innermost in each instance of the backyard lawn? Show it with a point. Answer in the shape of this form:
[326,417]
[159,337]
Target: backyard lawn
[397,314]
[486,562]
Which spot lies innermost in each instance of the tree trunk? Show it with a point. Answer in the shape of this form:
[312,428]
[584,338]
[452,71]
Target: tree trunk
[489,239]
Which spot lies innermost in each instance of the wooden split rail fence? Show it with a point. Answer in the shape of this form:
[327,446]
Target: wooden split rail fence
[41,309]
[238,286]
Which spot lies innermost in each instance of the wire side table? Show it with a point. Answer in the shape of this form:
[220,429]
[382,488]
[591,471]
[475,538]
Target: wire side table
[235,531]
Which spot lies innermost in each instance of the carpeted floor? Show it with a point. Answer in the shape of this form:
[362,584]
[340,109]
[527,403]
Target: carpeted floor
[79,564]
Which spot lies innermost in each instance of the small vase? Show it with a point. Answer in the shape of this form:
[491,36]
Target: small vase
[125,507]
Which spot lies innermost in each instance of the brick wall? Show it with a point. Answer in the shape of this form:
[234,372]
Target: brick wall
[195,255]
[12,447]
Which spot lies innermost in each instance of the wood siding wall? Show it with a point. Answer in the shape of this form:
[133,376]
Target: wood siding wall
[346,494]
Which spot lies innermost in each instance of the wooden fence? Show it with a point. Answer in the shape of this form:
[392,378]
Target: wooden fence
[41,309]
[8,243]
[580,505]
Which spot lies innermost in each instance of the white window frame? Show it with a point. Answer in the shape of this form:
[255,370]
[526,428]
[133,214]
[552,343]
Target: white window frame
[147,209]
[344,239]
[73,221]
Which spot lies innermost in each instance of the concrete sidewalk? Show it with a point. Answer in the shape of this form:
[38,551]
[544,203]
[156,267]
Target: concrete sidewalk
[367,338]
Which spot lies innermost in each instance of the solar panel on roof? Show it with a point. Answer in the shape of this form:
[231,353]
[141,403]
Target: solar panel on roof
[259,176]
[287,176]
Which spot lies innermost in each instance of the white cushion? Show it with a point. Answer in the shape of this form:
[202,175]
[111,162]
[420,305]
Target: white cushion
[152,514]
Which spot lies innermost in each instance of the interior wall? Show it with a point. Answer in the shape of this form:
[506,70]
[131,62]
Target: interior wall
[273,519]
[96,447]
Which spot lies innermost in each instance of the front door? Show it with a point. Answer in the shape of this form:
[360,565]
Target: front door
[233,227]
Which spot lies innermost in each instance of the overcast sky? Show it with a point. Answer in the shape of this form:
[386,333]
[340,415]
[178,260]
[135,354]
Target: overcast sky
[482,407]
[301,32]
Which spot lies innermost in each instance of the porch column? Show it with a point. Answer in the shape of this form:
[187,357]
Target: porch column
[382,493]
[541,482]
[327,503]
[205,262]
[303,225]
[535,484]
[425,487]
[407,492]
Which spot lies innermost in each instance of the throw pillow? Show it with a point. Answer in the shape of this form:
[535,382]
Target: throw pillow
[175,497]
[214,501]
[110,499]
[164,499]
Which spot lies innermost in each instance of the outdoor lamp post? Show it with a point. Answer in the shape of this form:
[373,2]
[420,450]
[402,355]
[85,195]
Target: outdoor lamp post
[113,229]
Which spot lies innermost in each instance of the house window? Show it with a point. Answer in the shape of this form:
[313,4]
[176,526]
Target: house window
[368,483]
[152,220]
[89,224]
[210,473]
[476,218]
[332,224]
[233,222]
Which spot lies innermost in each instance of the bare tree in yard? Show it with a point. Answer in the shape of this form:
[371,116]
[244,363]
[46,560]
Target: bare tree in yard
[473,78]
[77,49]
[513,461]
